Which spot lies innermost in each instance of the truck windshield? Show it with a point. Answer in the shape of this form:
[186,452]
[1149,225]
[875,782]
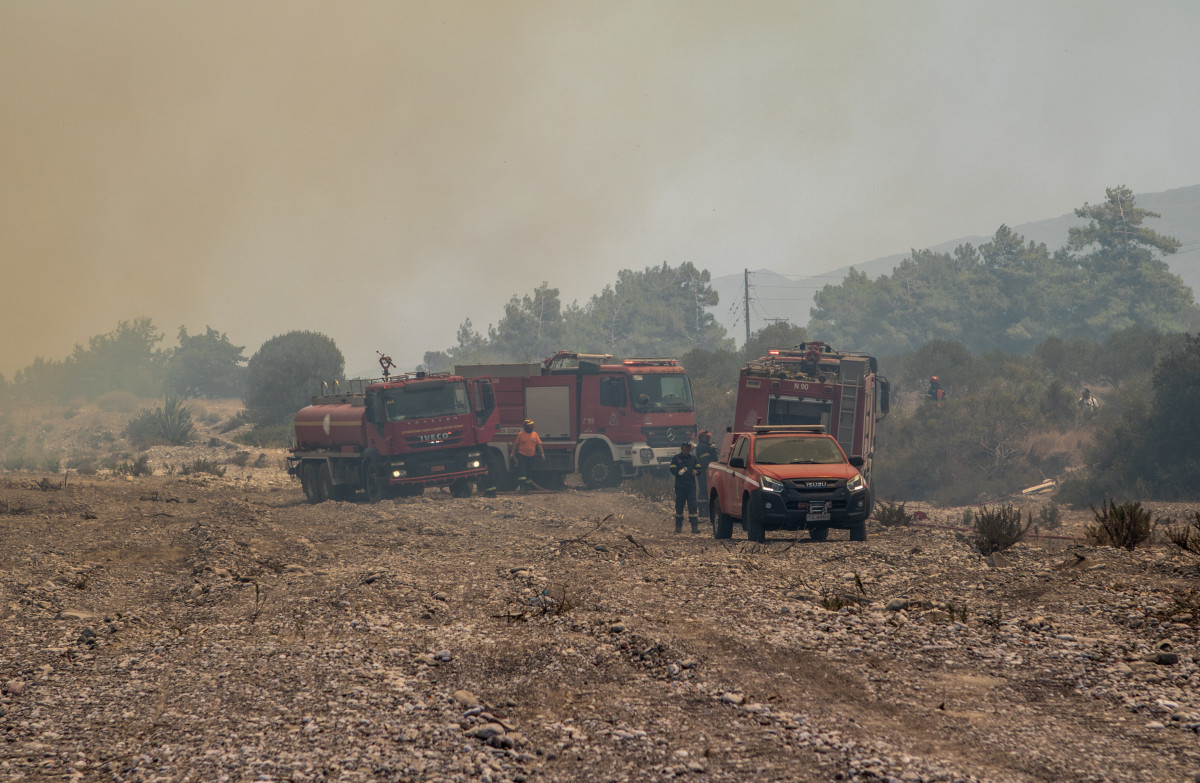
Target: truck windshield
[661,392]
[425,400]
[797,451]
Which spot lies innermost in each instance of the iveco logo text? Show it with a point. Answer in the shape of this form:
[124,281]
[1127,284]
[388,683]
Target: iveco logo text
[434,438]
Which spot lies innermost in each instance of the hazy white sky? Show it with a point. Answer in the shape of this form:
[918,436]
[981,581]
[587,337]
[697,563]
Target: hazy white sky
[381,171]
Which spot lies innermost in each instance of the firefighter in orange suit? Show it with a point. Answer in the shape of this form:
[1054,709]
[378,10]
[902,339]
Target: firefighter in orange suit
[527,449]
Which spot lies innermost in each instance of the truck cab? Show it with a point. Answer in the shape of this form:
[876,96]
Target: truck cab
[787,477]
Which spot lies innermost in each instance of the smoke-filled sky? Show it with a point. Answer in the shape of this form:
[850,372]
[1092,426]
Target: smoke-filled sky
[381,171]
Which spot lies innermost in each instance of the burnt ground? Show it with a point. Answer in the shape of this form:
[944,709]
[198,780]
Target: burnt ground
[219,628]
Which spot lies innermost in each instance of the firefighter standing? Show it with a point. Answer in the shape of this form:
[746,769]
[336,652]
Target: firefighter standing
[684,468]
[526,448]
[706,453]
[936,392]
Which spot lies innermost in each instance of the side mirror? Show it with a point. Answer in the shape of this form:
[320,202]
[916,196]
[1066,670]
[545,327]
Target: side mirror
[857,462]
[737,462]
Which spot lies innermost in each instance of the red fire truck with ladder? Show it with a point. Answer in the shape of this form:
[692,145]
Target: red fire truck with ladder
[814,384]
[398,434]
[605,420]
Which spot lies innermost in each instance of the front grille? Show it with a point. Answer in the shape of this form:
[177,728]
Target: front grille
[810,485]
[665,437]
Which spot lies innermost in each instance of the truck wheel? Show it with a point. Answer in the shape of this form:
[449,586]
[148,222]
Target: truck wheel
[752,518]
[858,531]
[324,483]
[598,470]
[722,524]
[460,488]
[308,481]
[498,475]
[819,533]
[372,483]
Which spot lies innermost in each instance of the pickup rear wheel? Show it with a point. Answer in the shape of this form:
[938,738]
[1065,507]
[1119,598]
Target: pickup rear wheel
[752,518]
[722,524]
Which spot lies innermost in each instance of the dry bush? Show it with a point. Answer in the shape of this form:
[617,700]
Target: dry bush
[1186,535]
[891,514]
[657,488]
[998,529]
[1123,525]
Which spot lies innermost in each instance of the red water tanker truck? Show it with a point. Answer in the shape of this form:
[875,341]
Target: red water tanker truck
[395,435]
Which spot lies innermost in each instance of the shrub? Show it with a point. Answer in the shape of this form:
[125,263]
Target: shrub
[1187,536]
[202,465]
[652,487]
[998,529]
[1122,525]
[139,467]
[171,423]
[1050,516]
[892,514]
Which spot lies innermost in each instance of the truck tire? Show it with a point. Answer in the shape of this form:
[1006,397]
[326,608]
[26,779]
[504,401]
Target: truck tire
[498,476]
[819,533]
[722,523]
[460,488]
[858,530]
[324,483]
[308,481]
[373,483]
[598,470]
[752,519]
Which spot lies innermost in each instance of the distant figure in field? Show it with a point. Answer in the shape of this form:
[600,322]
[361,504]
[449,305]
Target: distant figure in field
[936,392]
[1088,404]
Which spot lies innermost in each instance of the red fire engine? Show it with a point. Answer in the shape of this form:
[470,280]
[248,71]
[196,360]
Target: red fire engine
[401,432]
[607,420]
[814,384]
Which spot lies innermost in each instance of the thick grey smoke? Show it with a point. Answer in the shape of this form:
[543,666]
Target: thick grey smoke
[381,171]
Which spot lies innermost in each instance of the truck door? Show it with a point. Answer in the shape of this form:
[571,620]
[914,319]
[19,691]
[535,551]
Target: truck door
[485,400]
[606,407]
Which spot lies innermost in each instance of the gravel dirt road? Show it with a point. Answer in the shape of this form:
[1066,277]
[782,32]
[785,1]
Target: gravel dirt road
[204,628]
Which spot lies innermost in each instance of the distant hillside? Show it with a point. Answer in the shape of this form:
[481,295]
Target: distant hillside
[774,296]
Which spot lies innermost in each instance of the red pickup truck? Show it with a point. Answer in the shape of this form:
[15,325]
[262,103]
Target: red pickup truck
[787,478]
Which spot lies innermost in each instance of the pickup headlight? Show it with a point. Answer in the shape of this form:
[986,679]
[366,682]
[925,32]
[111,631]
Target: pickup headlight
[769,484]
[856,484]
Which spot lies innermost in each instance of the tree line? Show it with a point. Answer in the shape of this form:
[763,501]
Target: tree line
[1010,294]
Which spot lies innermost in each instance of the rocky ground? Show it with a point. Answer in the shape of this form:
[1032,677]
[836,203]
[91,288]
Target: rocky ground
[219,628]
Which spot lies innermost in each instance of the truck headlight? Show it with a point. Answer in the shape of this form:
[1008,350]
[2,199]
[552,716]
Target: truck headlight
[769,484]
[399,473]
[647,456]
[856,484]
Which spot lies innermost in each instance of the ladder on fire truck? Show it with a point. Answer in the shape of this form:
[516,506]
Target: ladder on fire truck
[853,371]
